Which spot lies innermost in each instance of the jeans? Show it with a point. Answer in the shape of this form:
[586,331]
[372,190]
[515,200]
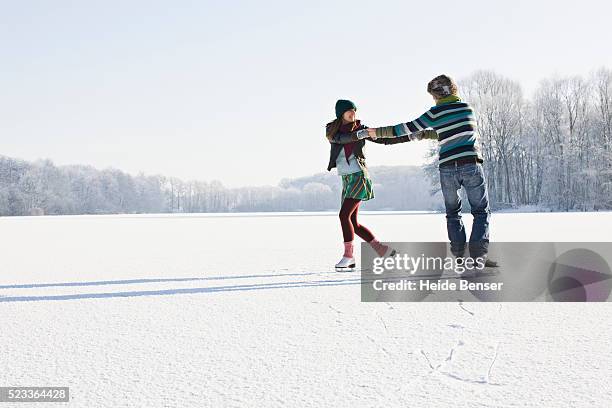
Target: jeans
[471,177]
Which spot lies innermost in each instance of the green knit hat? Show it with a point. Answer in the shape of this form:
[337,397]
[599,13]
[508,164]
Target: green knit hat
[342,106]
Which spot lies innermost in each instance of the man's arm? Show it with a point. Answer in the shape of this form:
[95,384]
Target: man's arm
[390,133]
[417,129]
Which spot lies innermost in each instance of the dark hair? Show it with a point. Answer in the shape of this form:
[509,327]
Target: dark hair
[333,127]
[442,86]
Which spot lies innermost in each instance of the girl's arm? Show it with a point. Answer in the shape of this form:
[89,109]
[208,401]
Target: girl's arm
[392,140]
[344,138]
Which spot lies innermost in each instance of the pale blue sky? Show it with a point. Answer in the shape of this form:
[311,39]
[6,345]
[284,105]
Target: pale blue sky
[240,91]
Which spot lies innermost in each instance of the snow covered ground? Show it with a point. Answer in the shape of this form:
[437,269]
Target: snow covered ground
[244,310]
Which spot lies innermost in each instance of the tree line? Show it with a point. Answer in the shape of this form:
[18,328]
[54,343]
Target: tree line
[36,188]
[552,150]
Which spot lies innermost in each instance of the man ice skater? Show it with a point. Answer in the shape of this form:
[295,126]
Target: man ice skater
[459,164]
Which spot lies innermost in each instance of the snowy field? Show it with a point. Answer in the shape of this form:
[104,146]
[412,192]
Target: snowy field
[235,311]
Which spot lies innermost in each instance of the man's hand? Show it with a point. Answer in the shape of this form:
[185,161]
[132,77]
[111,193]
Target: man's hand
[372,133]
[424,134]
[430,134]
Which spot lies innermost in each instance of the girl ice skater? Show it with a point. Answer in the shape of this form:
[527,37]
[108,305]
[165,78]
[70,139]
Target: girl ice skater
[347,138]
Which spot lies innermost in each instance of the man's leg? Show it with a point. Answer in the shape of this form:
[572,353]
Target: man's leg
[475,185]
[452,202]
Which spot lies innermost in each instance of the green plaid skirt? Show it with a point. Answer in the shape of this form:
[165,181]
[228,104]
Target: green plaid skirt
[357,186]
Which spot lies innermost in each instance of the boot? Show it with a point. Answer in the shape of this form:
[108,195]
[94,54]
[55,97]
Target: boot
[381,249]
[347,262]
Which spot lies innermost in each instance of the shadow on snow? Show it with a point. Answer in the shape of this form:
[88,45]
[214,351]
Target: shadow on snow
[166,292]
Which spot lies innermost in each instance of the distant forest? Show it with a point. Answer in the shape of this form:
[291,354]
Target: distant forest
[552,151]
[42,188]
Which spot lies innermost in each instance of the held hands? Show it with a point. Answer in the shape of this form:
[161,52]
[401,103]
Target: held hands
[387,132]
[362,134]
[365,133]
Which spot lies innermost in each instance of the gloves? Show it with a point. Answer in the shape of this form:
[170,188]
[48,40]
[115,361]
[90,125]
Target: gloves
[424,134]
[429,134]
[362,134]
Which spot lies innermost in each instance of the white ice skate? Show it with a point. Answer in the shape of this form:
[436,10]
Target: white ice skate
[345,264]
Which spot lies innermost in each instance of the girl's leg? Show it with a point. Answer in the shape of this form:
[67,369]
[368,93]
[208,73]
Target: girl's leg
[348,232]
[348,207]
[360,230]
[350,226]
[367,235]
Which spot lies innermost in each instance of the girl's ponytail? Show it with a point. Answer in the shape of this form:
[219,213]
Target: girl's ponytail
[332,128]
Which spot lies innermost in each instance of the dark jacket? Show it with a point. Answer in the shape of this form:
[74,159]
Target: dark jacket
[341,139]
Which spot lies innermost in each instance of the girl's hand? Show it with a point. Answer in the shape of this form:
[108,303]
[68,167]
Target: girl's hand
[372,133]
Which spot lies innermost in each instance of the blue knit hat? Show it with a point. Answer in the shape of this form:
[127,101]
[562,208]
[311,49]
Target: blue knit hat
[343,105]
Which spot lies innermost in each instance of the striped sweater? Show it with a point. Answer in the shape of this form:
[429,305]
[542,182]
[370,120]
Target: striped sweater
[455,124]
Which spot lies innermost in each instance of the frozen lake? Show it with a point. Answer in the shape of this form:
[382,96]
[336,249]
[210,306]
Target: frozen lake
[244,310]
